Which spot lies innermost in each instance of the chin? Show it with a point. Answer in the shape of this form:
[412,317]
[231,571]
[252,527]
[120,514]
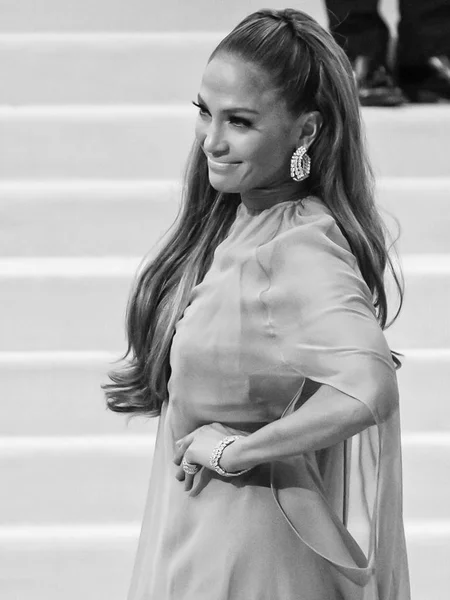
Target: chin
[222,185]
[225,189]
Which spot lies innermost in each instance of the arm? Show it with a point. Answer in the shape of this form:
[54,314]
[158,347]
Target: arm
[328,417]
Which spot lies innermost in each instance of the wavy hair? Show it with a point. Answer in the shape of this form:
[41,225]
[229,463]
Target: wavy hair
[311,73]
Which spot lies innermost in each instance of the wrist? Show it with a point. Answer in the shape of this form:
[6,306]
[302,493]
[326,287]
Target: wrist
[235,456]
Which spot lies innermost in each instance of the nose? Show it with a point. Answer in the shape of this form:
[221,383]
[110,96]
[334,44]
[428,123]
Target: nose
[213,141]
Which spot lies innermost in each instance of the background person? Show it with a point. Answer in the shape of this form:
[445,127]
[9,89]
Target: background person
[422,65]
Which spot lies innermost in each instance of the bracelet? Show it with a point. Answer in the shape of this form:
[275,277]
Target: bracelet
[217,455]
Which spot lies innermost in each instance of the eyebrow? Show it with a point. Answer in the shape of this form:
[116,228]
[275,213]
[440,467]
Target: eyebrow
[231,110]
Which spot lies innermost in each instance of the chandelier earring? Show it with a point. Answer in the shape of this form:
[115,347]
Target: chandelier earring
[300,164]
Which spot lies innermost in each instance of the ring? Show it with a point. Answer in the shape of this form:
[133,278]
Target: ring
[189,468]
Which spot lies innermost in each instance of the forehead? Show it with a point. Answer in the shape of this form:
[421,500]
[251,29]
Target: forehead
[235,82]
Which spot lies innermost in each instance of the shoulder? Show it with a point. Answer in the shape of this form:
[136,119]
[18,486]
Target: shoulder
[309,232]
[310,256]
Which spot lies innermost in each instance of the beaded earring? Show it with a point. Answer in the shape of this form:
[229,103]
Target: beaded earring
[300,164]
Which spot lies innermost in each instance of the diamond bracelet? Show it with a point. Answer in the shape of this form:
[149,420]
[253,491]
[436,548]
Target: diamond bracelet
[217,455]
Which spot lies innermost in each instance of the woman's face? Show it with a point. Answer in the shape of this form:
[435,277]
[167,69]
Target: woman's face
[243,127]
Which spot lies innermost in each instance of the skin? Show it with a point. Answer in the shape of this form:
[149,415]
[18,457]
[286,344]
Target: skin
[260,141]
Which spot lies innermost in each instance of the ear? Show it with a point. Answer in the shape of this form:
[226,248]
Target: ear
[310,124]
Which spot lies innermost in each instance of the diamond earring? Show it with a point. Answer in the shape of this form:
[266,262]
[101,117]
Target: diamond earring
[300,164]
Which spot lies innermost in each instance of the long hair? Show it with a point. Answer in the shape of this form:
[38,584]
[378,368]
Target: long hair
[311,72]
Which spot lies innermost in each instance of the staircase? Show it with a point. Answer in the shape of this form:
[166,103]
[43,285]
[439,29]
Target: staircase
[95,125]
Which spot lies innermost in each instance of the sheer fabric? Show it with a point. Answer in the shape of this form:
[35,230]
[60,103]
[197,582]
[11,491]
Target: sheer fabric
[283,303]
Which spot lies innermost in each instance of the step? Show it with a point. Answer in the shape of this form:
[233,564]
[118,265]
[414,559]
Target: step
[422,207]
[137,15]
[93,563]
[103,68]
[80,304]
[423,321]
[69,562]
[66,397]
[87,218]
[98,564]
[100,218]
[152,142]
[114,473]
[422,379]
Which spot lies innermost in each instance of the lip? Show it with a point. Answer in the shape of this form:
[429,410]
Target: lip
[221,166]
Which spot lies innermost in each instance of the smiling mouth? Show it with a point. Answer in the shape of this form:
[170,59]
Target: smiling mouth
[221,165]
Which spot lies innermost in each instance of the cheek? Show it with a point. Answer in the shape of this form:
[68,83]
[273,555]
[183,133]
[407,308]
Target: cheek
[271,154]
[254,150]
[199,131]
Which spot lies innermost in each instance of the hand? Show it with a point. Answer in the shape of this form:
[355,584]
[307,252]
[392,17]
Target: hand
[197,447]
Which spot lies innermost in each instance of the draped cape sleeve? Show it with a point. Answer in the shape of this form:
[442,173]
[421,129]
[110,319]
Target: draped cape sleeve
[321,310]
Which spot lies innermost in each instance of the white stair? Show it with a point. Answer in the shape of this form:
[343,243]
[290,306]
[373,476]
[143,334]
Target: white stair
[137,15]
[74,563]
[113,473]
[50,298]
[96,562]
[97,218]
[103,68]
[134,142]
[64,380]
[95,125]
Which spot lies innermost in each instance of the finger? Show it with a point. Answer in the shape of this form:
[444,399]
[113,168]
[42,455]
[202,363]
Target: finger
[180,474]
[179,452]
[188,482]
[178,456]
[201,481]
[181,446]
[188,479]
[187,439]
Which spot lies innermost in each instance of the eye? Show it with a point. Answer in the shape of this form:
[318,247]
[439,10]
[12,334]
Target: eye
[201,108]
[240,122]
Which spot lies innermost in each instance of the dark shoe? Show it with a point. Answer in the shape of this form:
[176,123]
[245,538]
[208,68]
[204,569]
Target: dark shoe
[376,86]
[429,82]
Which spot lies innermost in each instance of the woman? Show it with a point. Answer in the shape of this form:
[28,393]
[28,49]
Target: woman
[268,301]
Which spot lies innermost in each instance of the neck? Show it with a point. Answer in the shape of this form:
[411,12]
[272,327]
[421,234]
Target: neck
[262,198]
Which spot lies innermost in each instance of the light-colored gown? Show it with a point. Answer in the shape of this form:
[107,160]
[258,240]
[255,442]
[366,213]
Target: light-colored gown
[283,302]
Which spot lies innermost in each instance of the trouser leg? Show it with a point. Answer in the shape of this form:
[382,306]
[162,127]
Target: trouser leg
[358,28]
[423,31]
[423,51]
